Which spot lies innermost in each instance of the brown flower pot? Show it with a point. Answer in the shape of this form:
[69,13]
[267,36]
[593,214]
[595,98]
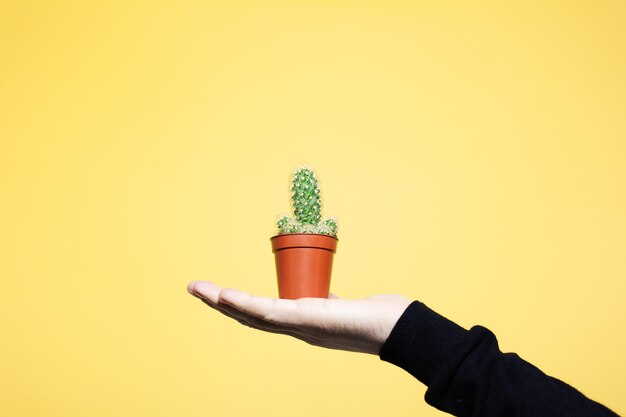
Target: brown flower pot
[304,263]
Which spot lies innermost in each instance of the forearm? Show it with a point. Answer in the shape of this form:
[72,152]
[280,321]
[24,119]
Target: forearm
[467,374]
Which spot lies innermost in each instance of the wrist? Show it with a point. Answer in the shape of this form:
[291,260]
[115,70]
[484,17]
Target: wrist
[421,341]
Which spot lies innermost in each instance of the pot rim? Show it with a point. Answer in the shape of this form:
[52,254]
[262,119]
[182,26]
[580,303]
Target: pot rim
[303,234]
[303,240]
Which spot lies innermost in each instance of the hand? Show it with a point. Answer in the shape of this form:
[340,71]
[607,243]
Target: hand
[353,325]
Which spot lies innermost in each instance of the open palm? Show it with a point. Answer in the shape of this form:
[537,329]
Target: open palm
[335,323]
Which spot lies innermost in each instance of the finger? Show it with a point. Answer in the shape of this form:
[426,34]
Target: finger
[210,294]
[259,324]
[296,318]
[283,312]
[252,322]
[204,289]
[263,308]
[334,296]
[302,319]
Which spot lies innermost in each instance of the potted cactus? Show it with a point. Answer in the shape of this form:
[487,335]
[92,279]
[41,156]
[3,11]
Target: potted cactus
[305,244]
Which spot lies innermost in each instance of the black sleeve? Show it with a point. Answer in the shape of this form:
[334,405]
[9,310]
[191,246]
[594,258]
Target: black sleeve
[467,374]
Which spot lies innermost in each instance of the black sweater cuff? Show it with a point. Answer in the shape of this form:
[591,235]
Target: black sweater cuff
[421,341]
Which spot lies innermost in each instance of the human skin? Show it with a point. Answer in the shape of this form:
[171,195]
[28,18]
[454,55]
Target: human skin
[352,325]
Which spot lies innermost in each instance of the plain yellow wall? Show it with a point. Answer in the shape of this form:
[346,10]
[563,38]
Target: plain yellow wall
[474,154]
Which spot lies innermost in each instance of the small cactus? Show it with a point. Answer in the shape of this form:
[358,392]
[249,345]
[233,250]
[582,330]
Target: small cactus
[307,207]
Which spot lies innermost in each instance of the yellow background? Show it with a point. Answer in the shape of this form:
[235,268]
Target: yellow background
[473,153]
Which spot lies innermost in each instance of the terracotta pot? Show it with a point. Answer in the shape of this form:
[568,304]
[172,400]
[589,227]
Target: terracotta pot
[304,263]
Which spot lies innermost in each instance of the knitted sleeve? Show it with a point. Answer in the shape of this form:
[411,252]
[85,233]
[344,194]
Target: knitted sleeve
[467,374]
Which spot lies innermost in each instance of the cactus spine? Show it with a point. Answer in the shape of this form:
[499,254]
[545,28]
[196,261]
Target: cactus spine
[307,207]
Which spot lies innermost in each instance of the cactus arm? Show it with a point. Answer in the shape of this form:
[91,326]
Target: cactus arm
[328,226]
[282,224]
[286,224]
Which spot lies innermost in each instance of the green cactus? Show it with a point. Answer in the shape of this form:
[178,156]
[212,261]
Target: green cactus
[307,207]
